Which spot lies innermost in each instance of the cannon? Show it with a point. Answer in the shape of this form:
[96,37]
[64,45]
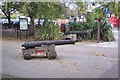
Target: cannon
[76,35]
[42,48]
[75,32]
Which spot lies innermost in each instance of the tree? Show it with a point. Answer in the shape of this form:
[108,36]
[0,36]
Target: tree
[113,7]
[30,9]
[49,10]
[9,7]
[46,10]
[81,7]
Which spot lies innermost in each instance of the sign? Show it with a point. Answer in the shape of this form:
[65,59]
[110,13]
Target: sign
[23,23]
[108,14]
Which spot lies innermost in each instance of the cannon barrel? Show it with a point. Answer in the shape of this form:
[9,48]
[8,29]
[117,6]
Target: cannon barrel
[33,44]
[79,32]
[75,32]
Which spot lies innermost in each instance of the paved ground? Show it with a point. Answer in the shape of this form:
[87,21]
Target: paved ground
[82,60]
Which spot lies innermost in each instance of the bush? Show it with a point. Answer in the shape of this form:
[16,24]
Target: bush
[49,32]
[91,16]
[91,29]
[106,32]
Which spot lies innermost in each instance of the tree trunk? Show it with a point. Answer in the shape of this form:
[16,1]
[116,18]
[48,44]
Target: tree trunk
[98,31]
[118,22]
[38,21]
[31,22]
[31,28]
[8,11]
[9,22]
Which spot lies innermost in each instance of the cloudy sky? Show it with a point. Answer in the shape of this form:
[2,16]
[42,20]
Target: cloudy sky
[69,3]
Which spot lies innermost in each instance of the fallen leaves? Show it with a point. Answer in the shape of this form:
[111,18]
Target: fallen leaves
[112,61]
[98,67]
[98,54]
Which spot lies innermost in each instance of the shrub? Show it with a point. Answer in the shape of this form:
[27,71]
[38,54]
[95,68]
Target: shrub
[49,32]
[91,28]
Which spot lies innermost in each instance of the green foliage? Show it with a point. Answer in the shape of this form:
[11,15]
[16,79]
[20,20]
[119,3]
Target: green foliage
[48,11]
[13,16]
[106,32]
[3,17]
[100,13]
[79,26]
[25,10]
[91,29]
[113,7]
[32,8]
[11,6]
[81,7]
[91,16]
[74,26]
[49,32]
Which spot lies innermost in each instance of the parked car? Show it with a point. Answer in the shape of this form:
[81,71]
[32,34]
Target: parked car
[0,21]
[16,24]
[5,22]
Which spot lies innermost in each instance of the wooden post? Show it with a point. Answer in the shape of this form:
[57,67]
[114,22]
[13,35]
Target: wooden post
[26,34]
[118,23]
[20,34]
[98,31]
[17,33]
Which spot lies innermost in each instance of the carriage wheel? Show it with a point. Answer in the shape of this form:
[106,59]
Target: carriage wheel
[52,55]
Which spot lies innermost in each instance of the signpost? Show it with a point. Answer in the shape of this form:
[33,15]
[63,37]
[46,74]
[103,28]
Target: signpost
[23,25]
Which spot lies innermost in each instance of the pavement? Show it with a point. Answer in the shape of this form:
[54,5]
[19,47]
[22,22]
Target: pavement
[82,60]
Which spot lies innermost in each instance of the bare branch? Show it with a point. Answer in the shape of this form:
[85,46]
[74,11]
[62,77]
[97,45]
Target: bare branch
[4,13]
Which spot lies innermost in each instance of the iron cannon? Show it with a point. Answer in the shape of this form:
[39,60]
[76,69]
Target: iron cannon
[77,35]
[43,48]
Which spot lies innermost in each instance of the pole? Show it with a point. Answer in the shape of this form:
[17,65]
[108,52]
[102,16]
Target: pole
[17,32]
[98,31]
[119,22]
[20,34]
[26,34]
